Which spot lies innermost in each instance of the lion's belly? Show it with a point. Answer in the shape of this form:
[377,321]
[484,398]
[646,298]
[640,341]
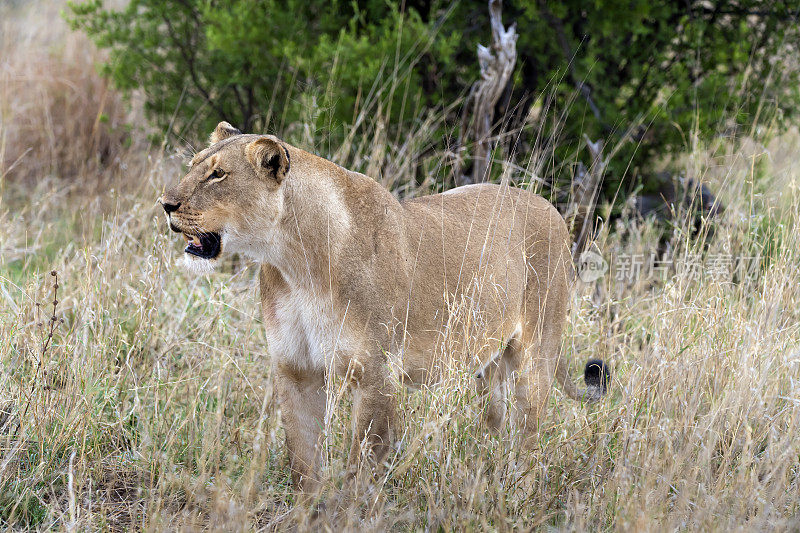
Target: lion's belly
[464,338]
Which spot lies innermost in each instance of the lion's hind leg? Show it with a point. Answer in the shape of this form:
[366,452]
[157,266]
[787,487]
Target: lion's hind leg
[535,363]
[494,383]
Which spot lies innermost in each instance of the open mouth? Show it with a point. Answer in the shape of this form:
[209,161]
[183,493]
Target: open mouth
[204,245]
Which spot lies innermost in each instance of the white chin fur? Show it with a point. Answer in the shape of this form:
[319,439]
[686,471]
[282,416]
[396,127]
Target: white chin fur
[197,265]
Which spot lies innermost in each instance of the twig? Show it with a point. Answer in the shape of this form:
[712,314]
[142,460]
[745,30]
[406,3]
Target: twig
[52,323]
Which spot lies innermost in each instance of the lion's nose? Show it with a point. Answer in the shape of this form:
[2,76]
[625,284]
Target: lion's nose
[170,208]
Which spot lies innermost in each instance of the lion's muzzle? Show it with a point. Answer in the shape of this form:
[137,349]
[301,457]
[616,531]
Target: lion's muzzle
[204,245]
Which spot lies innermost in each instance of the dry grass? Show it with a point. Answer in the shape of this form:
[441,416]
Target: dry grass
[60,119]
[148,401]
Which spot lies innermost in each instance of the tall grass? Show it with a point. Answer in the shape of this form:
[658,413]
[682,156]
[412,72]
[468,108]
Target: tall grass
[59,117]
[137,396]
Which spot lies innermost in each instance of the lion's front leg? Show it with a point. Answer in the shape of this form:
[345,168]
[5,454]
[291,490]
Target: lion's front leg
[301,395]
[374,412]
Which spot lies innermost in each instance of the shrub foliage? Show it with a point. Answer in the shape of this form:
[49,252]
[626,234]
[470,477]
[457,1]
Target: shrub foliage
[634,73]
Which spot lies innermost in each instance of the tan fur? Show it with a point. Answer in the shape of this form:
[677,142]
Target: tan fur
[357,283]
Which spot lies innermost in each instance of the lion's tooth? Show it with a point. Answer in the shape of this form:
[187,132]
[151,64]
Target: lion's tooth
[186,237]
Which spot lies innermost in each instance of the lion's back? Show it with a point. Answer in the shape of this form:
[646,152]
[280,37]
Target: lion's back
[485,230]
[488,206]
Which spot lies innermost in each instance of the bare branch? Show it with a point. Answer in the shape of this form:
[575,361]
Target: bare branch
[496,66]
[586,186]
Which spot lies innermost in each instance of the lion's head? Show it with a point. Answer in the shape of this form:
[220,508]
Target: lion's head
[230,195]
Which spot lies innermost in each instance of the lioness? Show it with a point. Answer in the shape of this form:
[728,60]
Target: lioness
[357,283]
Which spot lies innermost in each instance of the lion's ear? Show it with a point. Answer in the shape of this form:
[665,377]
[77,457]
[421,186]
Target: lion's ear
[268,156]
[223,131]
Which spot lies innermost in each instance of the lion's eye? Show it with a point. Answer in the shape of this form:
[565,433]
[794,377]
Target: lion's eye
[216,175]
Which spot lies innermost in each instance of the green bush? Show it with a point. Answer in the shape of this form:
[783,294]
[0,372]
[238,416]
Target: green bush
[648,77]
[258,64]
[659,74]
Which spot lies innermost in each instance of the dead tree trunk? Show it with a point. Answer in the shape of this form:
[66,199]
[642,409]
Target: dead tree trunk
[585,189]
[496,65]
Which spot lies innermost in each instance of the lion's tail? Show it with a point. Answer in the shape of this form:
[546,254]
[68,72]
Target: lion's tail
[596,375]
